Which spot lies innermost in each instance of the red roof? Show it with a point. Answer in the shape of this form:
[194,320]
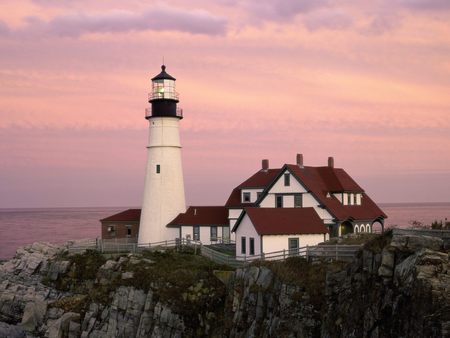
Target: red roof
[130,215]
[319,181]
[260,179]
[285,221]
[202,216]
[322,180]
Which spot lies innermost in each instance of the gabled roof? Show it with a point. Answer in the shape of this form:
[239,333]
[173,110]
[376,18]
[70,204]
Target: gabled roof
[202,216]
[284,221]
[261,179]
[321,180]
[130,215]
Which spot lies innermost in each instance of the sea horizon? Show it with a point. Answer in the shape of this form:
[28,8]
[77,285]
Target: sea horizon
[62,224]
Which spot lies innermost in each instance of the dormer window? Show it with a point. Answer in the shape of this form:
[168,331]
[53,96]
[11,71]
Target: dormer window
[287,180]
[246,197]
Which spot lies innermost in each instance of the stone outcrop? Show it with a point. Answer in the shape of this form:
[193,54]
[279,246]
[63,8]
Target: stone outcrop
[401,289]
[397,286]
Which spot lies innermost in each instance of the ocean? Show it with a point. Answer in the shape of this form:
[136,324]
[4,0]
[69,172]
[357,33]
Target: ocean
[19,227]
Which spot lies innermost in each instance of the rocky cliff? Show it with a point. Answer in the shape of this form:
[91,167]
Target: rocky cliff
[397,286]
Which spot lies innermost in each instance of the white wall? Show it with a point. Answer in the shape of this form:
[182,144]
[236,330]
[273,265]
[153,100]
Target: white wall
[279,187]
[273,243]
[234,213]
[163,192]
[247,229]
[268,201]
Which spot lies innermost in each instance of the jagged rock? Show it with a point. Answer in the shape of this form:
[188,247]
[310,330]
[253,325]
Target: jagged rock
[60,327]
[399,290]
[127,275]
[414,243]
[33,314]
[55,269]
[12,331]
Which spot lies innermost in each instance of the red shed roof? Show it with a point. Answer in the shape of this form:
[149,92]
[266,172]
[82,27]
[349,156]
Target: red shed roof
[284,221]
[130,215]
[202,216]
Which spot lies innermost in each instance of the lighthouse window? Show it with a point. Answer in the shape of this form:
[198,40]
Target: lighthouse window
[158,168]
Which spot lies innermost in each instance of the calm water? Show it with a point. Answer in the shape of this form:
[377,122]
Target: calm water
[19,227]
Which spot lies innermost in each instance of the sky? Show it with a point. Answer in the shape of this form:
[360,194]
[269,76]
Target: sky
[367,82]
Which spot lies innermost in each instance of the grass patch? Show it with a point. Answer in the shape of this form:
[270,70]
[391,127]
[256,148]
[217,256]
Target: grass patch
[377,244]
[76,303]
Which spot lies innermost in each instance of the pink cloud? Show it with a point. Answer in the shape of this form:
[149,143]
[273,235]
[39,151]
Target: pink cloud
[156,18]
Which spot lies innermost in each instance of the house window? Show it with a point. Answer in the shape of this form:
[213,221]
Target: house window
[243,245]
[287,180]
[298,201]
[293,246]
[196,234]
[112,230]
[252,245]
[246,197]
[349,199]
[158,168]
[128,230]
[279,201]
[258,195]
[213,233]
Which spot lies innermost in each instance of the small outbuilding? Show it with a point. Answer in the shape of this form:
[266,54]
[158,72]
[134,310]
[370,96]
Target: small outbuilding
[263,230]
[124,225]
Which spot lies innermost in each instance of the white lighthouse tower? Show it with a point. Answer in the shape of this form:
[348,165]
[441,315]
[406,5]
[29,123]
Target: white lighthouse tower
[164,186]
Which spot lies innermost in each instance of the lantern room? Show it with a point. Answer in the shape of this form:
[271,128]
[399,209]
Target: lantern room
[163,86]
[163,97]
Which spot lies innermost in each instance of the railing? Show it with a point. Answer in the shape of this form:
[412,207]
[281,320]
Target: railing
[128,245]
[333,252]
[178,112]
[444,234]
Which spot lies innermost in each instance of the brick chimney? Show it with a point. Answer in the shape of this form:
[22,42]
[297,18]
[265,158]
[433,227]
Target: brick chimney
[331,162]
[300,160]
[265,164]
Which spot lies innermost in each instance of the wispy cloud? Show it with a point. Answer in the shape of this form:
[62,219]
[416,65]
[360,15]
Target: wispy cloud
[281,10]
[158,18]
[426,4]
[334,19]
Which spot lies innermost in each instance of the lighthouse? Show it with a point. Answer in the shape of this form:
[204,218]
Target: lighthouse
[164,186]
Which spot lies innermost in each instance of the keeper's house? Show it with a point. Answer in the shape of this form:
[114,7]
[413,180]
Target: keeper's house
[274,209]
